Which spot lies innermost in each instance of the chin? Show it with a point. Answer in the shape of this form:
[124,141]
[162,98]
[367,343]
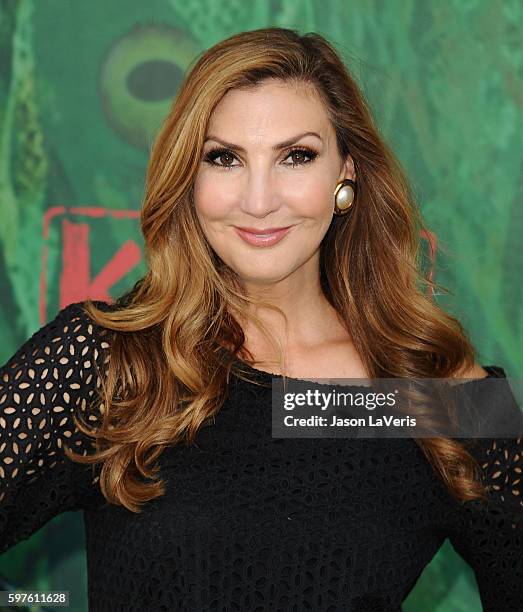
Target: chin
[267,268]
[268,276]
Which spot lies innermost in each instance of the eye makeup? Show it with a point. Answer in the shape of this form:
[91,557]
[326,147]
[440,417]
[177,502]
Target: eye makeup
[216,152]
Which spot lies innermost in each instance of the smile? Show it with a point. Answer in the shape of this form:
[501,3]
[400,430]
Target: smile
[267,238]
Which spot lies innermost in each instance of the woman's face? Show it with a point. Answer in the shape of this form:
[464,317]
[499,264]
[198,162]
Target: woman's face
[246,180]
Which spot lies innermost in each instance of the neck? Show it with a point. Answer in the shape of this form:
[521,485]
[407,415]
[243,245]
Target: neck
[311,320]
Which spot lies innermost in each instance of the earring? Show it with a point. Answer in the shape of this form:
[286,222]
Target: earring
[344,196]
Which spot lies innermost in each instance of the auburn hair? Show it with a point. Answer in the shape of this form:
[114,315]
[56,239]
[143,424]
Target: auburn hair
[176,335]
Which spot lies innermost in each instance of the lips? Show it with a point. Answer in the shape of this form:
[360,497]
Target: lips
[263,238]
[259,232]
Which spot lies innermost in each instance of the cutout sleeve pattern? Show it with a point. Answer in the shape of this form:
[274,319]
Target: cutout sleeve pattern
[489,536]
[40,387]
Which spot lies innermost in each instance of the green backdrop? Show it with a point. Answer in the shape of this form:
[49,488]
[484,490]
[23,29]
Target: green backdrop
[83,89]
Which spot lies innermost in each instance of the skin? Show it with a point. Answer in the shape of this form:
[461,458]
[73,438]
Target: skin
[259,187]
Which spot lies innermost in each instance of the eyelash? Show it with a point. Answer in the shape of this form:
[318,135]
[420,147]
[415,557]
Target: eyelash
[218,151]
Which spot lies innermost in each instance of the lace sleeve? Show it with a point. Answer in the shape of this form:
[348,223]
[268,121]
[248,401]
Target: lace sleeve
[489,535]
[40,386]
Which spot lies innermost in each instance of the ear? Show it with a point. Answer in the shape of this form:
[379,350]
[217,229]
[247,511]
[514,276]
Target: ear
[347,169]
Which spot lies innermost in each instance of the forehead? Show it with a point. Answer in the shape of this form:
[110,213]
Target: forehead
[271,107]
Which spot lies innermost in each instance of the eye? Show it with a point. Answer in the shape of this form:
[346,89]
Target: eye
[218,153]
[299,151]
[224,154]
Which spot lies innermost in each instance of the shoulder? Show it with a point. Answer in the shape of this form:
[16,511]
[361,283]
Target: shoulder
[500,461]
[57,369]
[75,312]
[474,371]
[64,349]
[500,455]
[74,329]
[76,323]
[79,310]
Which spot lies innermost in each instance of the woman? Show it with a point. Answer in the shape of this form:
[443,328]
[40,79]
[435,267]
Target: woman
[189,502]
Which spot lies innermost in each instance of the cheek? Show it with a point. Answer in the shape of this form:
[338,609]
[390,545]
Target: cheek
[312,197]
[211,204]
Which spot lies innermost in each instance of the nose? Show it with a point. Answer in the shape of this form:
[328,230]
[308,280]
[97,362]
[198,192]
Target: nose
[260,195]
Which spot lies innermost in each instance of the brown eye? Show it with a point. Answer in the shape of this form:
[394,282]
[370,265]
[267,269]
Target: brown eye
[297,156]
[223,155]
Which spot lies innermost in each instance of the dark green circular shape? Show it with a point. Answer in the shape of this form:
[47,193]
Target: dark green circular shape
[140,75]
[153,80]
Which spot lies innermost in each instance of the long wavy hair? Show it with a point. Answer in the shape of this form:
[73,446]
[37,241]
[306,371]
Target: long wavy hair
[176,336]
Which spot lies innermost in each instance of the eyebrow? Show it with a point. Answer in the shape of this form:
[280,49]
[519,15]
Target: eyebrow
[276,147]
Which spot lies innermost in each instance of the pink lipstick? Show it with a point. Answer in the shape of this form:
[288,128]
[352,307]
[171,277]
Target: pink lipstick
[266,237]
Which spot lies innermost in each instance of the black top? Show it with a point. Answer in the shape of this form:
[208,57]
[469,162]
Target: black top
[248,522]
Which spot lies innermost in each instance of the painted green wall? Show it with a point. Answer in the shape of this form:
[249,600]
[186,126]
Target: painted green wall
[77,117]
